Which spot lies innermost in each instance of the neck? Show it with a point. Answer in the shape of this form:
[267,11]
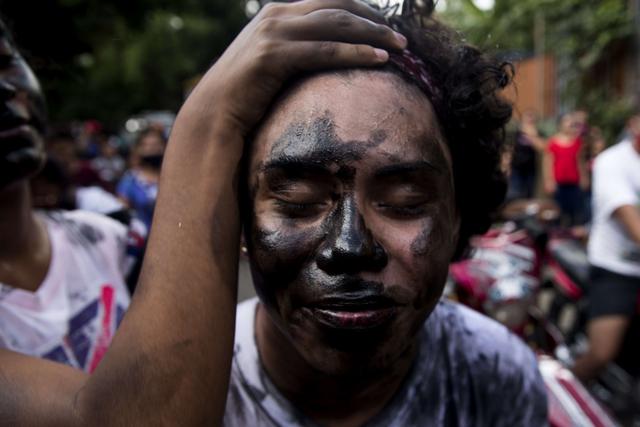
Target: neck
[19,229]
[25,251]
[149,172]
[333,400]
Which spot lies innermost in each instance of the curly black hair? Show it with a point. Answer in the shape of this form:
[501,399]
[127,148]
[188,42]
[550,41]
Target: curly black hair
[471,112]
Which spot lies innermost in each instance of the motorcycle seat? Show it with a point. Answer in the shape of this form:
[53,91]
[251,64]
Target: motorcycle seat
[572,258]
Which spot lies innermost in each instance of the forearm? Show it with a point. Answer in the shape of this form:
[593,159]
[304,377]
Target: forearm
[539,144]
[169,362]
[545,166]
[629,217]
[184,307]
[27,397]
[547,169]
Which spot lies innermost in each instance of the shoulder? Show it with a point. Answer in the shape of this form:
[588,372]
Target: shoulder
[128,179]
[614,160]
[476,334]
[614,156]
[492,365]
[487,349]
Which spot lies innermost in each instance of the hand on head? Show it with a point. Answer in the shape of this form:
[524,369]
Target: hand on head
[285,39]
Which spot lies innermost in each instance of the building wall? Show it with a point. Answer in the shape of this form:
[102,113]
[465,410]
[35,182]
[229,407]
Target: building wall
[534,86]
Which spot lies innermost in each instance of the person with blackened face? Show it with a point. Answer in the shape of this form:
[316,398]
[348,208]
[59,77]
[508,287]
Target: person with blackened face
[359,160]
[62,274]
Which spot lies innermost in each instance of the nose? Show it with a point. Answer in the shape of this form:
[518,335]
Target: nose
[350,246]
[7,91]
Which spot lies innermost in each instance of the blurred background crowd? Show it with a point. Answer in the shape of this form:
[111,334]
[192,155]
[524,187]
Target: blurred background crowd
[114,73]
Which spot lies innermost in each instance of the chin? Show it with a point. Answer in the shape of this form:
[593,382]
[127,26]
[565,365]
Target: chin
[350,353]
[333,362]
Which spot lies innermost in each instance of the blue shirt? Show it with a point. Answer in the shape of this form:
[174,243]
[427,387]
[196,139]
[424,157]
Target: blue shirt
[140,194]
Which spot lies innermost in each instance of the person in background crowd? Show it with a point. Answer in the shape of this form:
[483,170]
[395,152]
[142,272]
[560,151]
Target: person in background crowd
[69,182]
[62,274]
[138,188]
[596,145]
[564,168]
[356,187]
[581,123]
[109,164]
[527,143]
[87,139]
[614,252]
[63,147]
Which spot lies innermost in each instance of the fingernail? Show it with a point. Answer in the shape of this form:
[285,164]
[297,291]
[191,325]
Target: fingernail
[381,54]
[402,39]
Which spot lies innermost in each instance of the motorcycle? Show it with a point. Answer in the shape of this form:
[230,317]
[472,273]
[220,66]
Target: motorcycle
[503,278]
[618,387]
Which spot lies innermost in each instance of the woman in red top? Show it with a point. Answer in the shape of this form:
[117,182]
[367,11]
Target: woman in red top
[564,170]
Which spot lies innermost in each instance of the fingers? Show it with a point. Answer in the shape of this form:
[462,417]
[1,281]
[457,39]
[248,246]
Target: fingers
[342,26]
[310,55]
[356,7]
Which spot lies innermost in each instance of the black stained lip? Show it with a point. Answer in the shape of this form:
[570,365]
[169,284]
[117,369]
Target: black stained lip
[353,318]
[17,138]
[10,121]
[354,303]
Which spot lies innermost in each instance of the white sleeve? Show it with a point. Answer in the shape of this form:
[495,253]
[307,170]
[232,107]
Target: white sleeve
[611,188]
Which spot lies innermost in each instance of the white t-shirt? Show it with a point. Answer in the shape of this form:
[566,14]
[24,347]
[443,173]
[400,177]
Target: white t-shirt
[616,182]
[96,199]
[73,315]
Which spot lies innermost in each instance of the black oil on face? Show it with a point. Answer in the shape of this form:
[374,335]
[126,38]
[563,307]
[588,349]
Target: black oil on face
[352,223]
[22,116]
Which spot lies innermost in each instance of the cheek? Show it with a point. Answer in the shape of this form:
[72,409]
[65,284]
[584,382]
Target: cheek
[419,253]
[278,250]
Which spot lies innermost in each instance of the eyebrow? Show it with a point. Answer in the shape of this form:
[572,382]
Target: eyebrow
[406,168]
[294,165]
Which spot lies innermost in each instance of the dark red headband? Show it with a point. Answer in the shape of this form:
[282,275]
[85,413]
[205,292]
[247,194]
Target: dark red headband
[415,68]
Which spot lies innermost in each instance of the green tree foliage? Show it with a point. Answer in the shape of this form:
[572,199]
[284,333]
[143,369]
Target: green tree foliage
[580,34]
[108,60]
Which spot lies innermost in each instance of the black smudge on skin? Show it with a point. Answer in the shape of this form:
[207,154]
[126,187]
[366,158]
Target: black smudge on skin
[350,246]
[378,136]
[285,255]
[321,143]
[422,243]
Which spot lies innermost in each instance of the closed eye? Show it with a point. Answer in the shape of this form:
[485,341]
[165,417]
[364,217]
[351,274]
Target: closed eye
[294,209]
[403,210]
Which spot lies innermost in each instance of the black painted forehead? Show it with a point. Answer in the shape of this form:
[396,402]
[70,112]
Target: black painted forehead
[315,143]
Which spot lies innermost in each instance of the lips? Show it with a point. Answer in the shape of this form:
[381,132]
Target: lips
[354,312]
[17,138]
